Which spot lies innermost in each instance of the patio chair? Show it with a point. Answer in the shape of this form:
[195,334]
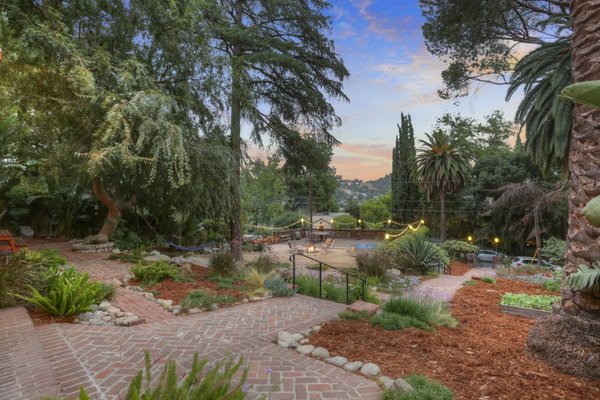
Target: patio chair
[328,245]
[294,249]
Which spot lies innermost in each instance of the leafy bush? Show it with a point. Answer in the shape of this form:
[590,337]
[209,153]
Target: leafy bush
[344,221]
[223,282]
[458,249]
[105,292]
[126,239]
[555,283]
[256,280]
[428,312]
[488,279]
[287,219]
[48,258]
[214,384]
[353,316]
[264,263]
[278,287]
[68,293]
[309,286]
[222,263]
[424,389]
[470,283]
[585,279]
[204,299]
[19,274]
[536,302]
[155,272]
[554,251]
[418,253]
[374,263]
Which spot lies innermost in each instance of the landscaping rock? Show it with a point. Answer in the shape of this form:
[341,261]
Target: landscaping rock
[115,282]
[304,341]
[176,311]
[245,300]
[393,274]
[148,295]
[199,261]
[104,305]
[107,318]
[369,369]
[112,310]
[116,251]
[353,366]
[213,307]
[159,257]
[297,337]
[305,333]
[315,329]
[284,338]
[136,289]
[402,386]
[194,311]
[386,382]
[166,304]
[338,361]
[321,353]
[306,349]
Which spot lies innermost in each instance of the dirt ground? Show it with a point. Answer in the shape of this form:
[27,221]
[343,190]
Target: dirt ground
[483,359]
[458,268]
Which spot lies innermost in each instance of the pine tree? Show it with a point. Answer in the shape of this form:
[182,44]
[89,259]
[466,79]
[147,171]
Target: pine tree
[405,192]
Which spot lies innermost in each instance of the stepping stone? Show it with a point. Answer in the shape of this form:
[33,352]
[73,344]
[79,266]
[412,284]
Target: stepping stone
[360,306]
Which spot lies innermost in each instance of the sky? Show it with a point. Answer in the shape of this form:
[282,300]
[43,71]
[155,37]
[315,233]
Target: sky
[391,72]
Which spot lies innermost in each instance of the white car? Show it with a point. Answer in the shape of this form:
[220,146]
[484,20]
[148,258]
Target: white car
[487,256]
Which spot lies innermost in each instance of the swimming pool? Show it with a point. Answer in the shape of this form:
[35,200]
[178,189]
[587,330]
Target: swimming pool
[359,248]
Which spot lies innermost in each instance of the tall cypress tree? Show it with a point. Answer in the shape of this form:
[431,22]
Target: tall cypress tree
[405,192]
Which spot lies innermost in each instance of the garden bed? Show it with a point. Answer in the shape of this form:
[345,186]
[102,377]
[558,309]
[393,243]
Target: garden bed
[524,312]
[177,291]
[484,357]
[458,268]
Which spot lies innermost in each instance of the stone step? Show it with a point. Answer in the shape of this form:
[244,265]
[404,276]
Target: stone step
[25,372]
[360,306]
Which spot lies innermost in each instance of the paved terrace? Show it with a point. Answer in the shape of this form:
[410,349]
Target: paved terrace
[57,359]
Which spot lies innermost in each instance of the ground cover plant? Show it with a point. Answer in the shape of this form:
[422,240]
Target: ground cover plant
[424,389]
[149,274]
[25,270]
[204,299]
[278,287]
[486,343]
[536,302]
[414,311]
[488,279]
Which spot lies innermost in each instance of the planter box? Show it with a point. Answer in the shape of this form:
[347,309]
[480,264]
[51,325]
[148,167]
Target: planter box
[524,312]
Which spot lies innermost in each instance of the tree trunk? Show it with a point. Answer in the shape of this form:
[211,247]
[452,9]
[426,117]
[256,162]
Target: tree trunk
[571,338]
[538,234]
[235,217]
[114,206]
[442,215]
[310,204]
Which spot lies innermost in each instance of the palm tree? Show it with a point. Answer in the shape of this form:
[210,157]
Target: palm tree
[442,167]
[570,339]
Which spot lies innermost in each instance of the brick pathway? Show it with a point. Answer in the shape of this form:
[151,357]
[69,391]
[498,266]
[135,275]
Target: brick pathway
[447,285]
[103,359]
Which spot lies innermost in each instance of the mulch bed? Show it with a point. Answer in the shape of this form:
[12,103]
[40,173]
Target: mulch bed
[38,317]
[458,268]
[484,358]
[171,290]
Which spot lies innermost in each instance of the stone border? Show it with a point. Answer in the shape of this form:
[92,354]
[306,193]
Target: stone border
[105,313]
[301,343]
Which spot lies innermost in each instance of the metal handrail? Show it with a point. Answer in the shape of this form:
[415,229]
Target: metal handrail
[321,263]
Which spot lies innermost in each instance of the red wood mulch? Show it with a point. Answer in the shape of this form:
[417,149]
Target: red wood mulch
[176,291]
[38,317]
[484,358]
[458,268]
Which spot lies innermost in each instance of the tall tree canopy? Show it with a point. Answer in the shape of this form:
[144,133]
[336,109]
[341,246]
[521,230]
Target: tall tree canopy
[405,191]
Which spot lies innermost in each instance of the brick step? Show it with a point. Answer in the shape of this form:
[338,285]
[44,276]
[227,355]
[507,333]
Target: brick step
[25,372]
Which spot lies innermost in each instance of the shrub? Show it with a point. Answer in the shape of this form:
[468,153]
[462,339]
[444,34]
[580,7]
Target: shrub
[287,219]
[215,383]
[458,249]
[536,302]
[256,280]
[68,293]
[470,283]
[19,274]
[556,281]
[223,282]
[126,239]
[278,287]
[48,258]
[424,389]
[155,272]
[393,321]
[488,279]
[204,299]
[222,263]
[432,313]
[418,253]
[353,316]
[309,286]
[264,263]
[554,250]
[105,292]
[373,263]
[344,221]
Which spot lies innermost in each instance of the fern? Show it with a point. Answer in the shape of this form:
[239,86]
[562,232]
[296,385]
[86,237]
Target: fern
[585,279]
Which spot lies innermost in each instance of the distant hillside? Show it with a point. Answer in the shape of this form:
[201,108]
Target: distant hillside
[360,191]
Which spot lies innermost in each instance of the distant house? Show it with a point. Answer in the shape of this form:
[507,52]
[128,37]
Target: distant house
[325,219]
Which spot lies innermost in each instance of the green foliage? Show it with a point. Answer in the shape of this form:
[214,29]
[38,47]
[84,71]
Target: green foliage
[289,218]
[263,189]
[416,253]
[470,283]
[256,280]
[377,210]
[405,191]
[415,311]
[22,271]
[373,263]
[552,285]
[488,279]
[126,240]
[215,383]
[204,299]
[223,263]
[424,389]
[264,263]
[554,251]
[224,282]
[458,249]
[278,287]
[150,274]
[345,221]
[585,279]
[349,315]
[587,93]
[536,302]
[309,286]
[68,293]
[105,292]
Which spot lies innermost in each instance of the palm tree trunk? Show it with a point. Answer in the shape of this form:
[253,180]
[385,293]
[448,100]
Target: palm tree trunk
[571,338]
[442,215]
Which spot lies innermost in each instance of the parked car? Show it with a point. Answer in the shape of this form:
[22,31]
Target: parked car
[523,260]
[487,256]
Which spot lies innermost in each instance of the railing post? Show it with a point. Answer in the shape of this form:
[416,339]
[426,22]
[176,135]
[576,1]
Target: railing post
[320,280]
[293,272]
[347,290]
[363,294]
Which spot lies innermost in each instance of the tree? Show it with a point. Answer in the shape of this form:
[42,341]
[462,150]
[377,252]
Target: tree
[376,211]
[405,192]
[480,40]
[442,167]
[570,339]
[263,191]
[281,68]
